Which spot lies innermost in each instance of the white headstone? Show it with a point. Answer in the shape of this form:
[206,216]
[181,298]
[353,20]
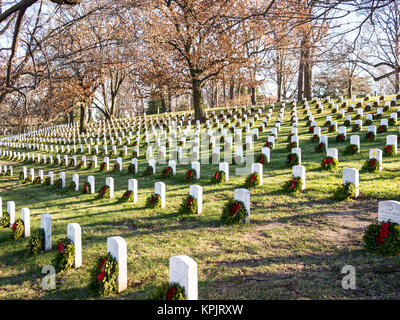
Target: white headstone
[183,270]
[196,191]
[159,188]
[26,218]
[300,172]
[133,186]
[74,234]
[389,211]
[352,175]
[45,224]
[117,248]
[110,183]
[244,196]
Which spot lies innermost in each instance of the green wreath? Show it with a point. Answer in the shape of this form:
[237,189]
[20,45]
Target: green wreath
[293,185]
[128,196]
[80,165]
[104,192]
[345,192]
[103,276]
[389,150]
[234,212]
[370,136]
[218,177]
[153,202]
[65,256]
[371,165]
[18,229]
[292,159]
[36,242]
[58,183]
[167,172]
[383,239]
[46,181]
[169,291]
[188,206]
[329,163]
[190,175]
[131,169]
[5,221]
[72,186]
[148,171]
[28,179]
[352,149]
[252,180]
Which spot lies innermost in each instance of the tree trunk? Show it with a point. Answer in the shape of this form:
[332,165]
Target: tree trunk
[83,120]
[71,117]
[231,90]
[253,96]
[350,89]
[300,82]
[397,83]
[308,73]
[199,113]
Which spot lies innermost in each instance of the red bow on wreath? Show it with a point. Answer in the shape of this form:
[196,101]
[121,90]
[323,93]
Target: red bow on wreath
[190,202]
[170,293]
[14,226]
[234,209]
[61,248]
[103,271]
[383,233]
[189,173]
[216,175]
[372,162]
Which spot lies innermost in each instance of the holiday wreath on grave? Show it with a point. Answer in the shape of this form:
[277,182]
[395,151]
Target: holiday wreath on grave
[131,169]
[47,181]
[234,212]
[188,206]
[383,239]
[28,179]
[104,192]
[85,188]
[352,149]
[154,201]
[128,196]
[218,177]
[370,136]
[262,159]
[252,180]
[371,165]
[90,165]
[103,166]
[148,171]
[340,137]
[80,165]
[292,159]
[58,183]
[293,185]
[167,172]
[389,150]
[382,128]
[168,291]
[5,221]
[190,175]
[103,276]
[36,242]
[356,127]
[72,186]
[18,229]
[329,163]
[37,180]
[115,167]
[344,192]
[65,256]
[321,147]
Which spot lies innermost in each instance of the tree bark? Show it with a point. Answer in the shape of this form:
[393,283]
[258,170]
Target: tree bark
[231,90]
[71,117]
[83,119]
[199,113]
[300,79]
[308,73]
[253,96]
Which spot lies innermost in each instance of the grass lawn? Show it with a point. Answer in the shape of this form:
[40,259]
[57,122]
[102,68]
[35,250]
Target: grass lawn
[294,248]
